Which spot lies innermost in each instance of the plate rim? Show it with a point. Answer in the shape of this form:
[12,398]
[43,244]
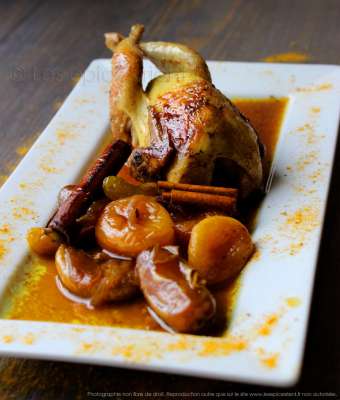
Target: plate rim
[34,350]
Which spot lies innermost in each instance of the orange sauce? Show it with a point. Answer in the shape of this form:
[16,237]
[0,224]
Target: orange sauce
[266,117]
[38,298]
[35,296]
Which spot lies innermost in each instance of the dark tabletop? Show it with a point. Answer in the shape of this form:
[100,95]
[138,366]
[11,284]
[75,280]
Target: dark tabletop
[45,45]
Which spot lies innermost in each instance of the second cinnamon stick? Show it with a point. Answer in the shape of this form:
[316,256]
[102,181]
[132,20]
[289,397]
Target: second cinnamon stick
[225,203]
[223,191]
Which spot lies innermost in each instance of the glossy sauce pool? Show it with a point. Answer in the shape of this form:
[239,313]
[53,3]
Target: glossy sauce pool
[34,294]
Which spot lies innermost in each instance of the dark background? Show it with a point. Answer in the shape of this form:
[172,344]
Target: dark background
[45,45]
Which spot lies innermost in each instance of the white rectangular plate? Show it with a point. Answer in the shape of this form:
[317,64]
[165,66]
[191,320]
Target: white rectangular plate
[265,340]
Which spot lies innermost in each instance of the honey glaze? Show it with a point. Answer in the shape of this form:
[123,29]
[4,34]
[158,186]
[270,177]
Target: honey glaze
[34,295]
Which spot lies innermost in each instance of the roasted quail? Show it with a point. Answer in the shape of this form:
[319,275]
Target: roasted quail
[181,126]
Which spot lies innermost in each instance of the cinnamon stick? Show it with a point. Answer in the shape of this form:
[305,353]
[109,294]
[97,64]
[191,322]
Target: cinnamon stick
[109,162]
[79,197]
[164,185]
[225,203]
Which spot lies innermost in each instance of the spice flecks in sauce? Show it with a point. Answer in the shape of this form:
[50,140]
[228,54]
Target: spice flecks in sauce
[24,213]
[5,229]
[266,328]
[7,339]
[5,238]
[308,132]
[292,57]
[316,88]
[269,360]
[22,150]
[222,348]
[29,339]
[304,219]
[293,302]
[63,135]
[297,226]
[84,100]
[306,160]
[26,144]
[202,346]
[2,249]
[315,110]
